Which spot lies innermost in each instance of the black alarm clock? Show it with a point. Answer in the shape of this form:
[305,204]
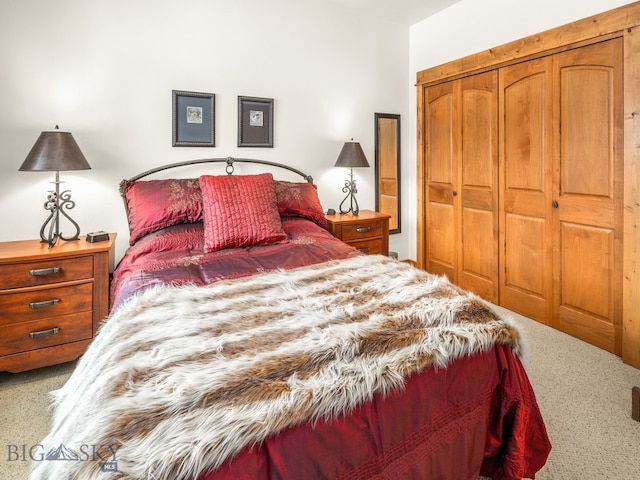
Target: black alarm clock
[99,236]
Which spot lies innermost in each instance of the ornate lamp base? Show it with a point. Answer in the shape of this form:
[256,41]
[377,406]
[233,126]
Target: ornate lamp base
[56,204]
[351,190]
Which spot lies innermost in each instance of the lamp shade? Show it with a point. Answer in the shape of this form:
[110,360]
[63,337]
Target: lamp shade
[351,156]
[55,151]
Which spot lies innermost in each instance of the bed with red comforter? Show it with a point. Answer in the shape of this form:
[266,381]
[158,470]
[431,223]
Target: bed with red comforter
[239,348]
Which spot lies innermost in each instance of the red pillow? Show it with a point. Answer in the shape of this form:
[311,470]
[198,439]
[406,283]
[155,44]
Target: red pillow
[156,204]
[240,211]
[298,199]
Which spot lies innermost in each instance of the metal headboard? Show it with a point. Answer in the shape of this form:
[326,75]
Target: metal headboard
[229,168]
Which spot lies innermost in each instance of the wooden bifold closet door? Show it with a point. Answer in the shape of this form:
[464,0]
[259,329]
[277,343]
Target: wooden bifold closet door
[523,182]
[561,191]
[526,167]
[462,182]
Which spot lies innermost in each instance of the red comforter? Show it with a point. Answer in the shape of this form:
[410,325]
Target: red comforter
[477,416]
[176,255]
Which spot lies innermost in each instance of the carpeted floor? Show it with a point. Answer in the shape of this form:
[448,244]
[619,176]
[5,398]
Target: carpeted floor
[24,415]
[584,394]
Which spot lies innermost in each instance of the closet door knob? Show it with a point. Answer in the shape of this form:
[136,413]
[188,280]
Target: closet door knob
[454,193]
[554,204]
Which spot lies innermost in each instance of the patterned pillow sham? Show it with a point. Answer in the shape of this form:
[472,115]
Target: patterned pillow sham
[299,199]
[240,211]
[156,204]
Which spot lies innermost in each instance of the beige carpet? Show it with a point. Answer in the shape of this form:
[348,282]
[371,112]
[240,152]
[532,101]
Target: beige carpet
[24,415]
[584,394]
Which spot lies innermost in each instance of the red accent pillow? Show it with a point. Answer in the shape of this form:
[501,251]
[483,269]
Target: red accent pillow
[240,211]
[156,204]
[298,199]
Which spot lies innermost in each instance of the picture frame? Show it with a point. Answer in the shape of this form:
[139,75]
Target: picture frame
[255,122]
[387,168]
[193,119]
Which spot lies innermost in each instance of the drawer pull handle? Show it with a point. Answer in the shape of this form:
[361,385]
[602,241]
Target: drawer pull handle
[40,272]
[363,229]
[45,304]
[364,250]
[44,333]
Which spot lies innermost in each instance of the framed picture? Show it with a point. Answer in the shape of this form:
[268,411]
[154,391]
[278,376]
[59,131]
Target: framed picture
[387,143]
[255,122]
[193,119]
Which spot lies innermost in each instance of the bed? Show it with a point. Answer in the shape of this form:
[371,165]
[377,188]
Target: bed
[246,342]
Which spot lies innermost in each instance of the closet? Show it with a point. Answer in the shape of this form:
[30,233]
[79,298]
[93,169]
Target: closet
[523,195]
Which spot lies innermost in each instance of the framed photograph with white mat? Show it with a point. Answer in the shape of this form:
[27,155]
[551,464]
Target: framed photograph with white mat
[193,119]
[255,122]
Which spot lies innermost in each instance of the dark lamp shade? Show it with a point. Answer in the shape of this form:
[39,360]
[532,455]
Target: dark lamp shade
[351,156]
[55,151]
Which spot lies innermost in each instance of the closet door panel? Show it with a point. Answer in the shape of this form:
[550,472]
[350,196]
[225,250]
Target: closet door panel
[526,235]
[478,137]
[588,189]
[441,147]
[586,306]
[441,240]
[524,146]
[525,187]
[478,266]
[441,150]
[586,140]
[477,231]
[587,254]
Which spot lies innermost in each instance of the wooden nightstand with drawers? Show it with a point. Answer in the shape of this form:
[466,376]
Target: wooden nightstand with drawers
[51,300]
[368,231]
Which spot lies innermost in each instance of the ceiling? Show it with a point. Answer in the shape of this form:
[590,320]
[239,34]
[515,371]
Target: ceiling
[406,12]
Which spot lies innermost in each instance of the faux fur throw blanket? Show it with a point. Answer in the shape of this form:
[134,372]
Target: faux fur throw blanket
[181,378]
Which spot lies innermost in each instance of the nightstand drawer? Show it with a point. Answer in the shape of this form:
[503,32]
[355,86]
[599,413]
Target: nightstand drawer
[361,230]
[370,247]
[45,272]
[45,302]
[27,336]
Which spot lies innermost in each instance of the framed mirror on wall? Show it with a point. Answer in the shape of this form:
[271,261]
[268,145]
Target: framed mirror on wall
[387,167]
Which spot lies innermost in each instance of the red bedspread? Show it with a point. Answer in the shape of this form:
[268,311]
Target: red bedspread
[176,255]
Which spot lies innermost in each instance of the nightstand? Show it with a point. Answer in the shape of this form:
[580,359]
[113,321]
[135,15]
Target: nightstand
[368,232]
[51,300]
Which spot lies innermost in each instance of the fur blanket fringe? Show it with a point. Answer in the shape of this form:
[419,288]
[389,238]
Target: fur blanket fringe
[181,378]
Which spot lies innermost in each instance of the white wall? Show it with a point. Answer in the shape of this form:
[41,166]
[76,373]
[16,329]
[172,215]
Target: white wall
[105,71]
[471,26]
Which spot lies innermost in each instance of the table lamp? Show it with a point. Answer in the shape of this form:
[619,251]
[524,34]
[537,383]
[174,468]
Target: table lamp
[351,156]
[55,151]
